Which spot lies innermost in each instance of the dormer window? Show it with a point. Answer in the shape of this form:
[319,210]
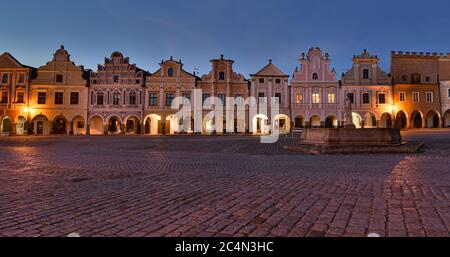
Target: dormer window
[415,78]
[365,74]
[221,75]
[170,72]
[59,78]
[315,76]
[116,78]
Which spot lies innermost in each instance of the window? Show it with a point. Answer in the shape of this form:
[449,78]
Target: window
[429,97]
[315,76]
[170,72]
[100,98]
[4,97]
[315,98]
[222,98]
[153,99]
[299,98]
[221,75]
[59,78]
[404,78]
[331,98]
[5,78]
[206,98]
[169,99]
[42,97]
[261,80]
[448,93]
[132,98]
[20,97]
[416,97]
[59,97]
[381,98]
[402,96]
[427,79]
[116,78]
[239,99]
[351,97]
[278,81]
[116,98]
[415,78]
[261,98]
[365,73]
[21,79]
[278,97]
[74,97]
[365,98]
[186,98]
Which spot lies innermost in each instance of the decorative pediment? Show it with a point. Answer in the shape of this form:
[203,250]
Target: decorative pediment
[8,61]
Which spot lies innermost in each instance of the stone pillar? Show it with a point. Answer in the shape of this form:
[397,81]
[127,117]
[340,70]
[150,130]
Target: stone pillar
[71,128]
[105,128]
[88,129]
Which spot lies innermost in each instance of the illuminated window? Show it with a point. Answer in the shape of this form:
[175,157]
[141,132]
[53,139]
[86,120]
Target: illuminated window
[402,96]
[429,97]
[331,99]
[315,98]
[416,96]
[299,98]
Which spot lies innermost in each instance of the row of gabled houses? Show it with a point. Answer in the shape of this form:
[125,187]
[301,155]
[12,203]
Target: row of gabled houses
[63,98]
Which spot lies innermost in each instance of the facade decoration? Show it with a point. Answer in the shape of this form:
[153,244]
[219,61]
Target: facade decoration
[315,100]
[444,77]
[116,97]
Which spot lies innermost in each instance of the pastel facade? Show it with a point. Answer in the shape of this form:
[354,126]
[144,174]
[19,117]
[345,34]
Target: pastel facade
[370,91]
[270,82]
[14,87]
[162,88]
[116,97]
[444,77]
[315,92]
[58,97]
[416,89]
[222,82]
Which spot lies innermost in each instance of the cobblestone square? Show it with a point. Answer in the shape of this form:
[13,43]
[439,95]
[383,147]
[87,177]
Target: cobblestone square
[219,186]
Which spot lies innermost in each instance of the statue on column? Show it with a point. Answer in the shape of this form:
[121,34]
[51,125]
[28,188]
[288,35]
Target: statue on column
[348,116]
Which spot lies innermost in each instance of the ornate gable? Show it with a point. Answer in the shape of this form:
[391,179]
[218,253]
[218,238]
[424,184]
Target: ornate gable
[315,67]
[270,70]
[8,61]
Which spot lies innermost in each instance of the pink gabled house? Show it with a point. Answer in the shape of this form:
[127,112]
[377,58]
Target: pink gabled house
[315,92]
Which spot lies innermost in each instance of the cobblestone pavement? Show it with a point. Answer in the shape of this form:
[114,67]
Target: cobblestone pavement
[218,186]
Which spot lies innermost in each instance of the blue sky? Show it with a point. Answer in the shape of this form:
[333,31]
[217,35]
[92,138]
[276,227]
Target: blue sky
[248,31]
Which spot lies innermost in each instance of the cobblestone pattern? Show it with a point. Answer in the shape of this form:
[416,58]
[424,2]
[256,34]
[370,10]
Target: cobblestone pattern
[218,186]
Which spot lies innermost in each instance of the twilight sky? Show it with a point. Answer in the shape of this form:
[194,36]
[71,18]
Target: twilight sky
[248,31]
